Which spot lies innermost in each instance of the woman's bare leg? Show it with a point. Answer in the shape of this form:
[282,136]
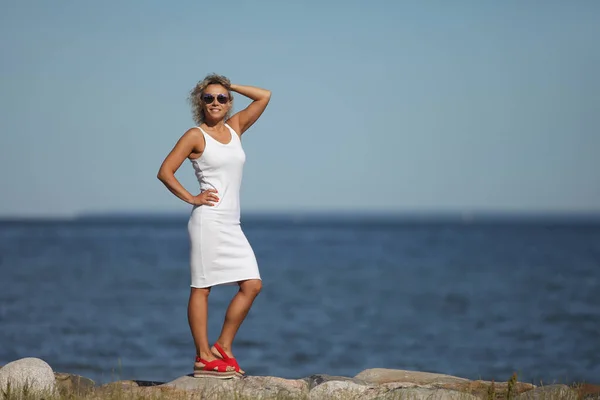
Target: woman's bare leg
[236,313]
[198,320]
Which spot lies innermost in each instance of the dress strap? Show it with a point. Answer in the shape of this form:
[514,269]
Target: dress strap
[233,132]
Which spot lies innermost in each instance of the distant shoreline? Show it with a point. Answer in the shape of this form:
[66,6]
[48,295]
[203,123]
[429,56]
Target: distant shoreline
[334,217]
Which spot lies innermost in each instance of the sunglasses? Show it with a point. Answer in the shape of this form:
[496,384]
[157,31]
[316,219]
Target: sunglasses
[209,98]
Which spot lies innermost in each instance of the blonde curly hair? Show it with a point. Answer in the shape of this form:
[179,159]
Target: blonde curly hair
[195,97]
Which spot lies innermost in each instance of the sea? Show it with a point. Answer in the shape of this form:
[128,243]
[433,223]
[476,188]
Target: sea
[105,296]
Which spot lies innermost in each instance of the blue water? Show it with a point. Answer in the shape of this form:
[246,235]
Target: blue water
[106,297]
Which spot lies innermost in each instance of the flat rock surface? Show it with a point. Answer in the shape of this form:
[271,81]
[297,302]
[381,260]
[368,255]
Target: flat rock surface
[317,379]
[403,379]
[426,394]
[481,388]
[271,386]
[342,390]
[188,382]
[254,387]
[383,375]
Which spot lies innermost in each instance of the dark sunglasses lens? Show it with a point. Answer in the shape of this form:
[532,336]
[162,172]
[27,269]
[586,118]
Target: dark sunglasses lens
[221,98]
[208,98]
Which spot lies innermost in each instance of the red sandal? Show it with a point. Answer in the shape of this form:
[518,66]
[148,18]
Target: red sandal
[229,360]
[213,369]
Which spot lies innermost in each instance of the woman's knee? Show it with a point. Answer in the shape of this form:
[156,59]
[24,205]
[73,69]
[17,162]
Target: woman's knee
[204,292]
[251,287]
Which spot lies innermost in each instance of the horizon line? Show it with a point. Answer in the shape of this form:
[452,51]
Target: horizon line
[418,215]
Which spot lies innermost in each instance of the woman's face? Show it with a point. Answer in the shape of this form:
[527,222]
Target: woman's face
[216,102]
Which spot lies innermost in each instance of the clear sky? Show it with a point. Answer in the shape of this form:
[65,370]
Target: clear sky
[377,105]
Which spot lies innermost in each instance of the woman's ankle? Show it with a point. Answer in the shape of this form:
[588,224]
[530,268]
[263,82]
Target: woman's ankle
[206,355]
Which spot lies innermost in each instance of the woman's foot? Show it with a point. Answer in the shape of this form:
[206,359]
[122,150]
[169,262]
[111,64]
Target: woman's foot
[213,367]
[225,354]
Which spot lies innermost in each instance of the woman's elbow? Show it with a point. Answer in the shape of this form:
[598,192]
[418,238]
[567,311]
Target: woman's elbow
[162,175]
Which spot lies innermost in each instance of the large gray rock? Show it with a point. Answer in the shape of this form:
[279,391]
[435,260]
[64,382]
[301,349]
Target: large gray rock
[402,379]
[30,374]
[271,387]
[317,379]
[343,390]
[562,392]
[207,386]
[426,394]
[384,375]
[250,387]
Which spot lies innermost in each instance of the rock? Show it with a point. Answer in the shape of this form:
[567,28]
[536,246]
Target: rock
[342,390]
[69,383]
[267,387]
[148,383]
[396,379]
[383,375]
[481,388]
[403,385]
[562,392]
[587,391]
[250,387]
[30,374]
[113,388]
[204,385]
[426,394]
[128,389]
[120,385]
[163,393]
[317,379]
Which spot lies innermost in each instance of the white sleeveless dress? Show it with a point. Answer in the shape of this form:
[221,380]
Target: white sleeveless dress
[220,253]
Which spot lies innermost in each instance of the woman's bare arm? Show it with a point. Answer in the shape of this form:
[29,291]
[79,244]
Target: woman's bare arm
[244,119]
[186,145]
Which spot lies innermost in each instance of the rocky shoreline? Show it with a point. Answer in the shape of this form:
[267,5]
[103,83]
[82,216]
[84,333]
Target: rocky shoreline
[37,377]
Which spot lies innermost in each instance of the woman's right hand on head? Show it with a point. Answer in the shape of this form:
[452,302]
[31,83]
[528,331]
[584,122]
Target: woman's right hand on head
[208,197]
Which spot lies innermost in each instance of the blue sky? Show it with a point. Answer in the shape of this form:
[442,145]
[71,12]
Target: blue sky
[377,106]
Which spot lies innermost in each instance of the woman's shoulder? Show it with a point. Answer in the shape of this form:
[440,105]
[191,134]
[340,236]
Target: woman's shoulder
[194,131]
[194,139]
[194,135]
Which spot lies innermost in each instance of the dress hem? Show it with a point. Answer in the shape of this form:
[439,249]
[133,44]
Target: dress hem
[227,282]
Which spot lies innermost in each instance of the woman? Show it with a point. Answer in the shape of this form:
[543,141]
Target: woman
[220,253]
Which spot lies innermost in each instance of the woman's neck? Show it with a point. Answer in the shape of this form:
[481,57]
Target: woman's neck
[215,124]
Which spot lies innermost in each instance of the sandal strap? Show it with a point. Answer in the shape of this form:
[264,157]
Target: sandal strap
[210,365]
[221,352]
[230,360]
